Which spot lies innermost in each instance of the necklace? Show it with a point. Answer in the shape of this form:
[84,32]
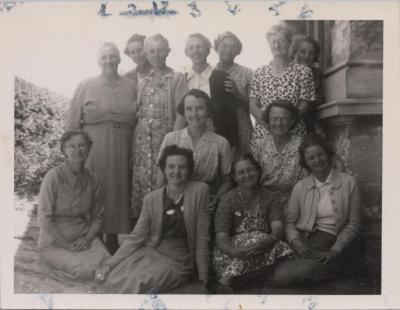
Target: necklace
[173,199]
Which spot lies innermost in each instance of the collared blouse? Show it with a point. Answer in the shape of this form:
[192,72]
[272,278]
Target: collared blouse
[212,154]
[301,213]
[69,206]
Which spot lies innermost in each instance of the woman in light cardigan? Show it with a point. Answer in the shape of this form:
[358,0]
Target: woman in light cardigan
[322,219]
[170,238]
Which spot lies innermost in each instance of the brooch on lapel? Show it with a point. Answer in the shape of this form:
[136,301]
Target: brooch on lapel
[170,211]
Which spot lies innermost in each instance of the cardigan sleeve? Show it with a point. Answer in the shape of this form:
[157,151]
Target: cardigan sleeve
[292,213]
[181,87]
[136,239]
[203,237]
[353,225]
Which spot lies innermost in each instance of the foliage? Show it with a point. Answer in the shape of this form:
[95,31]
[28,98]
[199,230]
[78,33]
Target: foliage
[39,122]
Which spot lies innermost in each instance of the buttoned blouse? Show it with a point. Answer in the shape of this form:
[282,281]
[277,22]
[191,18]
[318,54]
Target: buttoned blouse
[301,212]
[325,220]
[212,153]
[200,80]
[69,205]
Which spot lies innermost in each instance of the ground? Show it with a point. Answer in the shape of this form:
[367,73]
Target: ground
[30,276]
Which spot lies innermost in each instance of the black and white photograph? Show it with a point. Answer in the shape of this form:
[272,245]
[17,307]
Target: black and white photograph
[200,154]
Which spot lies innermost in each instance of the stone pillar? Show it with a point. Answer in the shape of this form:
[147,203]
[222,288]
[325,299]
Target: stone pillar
[352,114]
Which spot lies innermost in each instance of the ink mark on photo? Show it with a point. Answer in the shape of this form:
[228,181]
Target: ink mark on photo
[195,12]
[233,9]
[273,7]
[7,6]
[103,10]
[227,305]
[152,301]
[47,300]
[263,295]
[306,12]
[155,10]
[311,302]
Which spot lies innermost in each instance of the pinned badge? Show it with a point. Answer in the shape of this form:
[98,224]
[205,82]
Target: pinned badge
[170,211]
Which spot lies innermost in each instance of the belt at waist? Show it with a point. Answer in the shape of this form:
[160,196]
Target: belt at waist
[116,125]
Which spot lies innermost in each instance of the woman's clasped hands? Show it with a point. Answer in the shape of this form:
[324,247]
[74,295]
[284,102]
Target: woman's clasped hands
[304,251]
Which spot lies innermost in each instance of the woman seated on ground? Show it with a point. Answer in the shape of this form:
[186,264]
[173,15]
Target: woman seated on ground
[305,51]
[322,220]
[212,153]
[248,225]
[170,238]
[277,153]
[70,213]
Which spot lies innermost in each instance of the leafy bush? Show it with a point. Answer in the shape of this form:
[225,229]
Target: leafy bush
[39,123]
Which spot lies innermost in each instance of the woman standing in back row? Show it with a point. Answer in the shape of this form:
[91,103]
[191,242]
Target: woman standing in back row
[105,107]
[158,95]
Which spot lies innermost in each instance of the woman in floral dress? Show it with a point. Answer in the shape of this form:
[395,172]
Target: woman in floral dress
[280,79]
[158,95]
[277,153]
[248,225]
[228,46]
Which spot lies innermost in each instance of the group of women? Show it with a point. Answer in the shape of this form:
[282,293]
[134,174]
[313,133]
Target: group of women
[175,156]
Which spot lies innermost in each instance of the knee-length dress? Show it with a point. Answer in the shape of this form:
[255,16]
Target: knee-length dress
[107,111]
[280,170]
[70,208]
[295,84]
[242,77]
[247,225]
[169,241]
[156,116]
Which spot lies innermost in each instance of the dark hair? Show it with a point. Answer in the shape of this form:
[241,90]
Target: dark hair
[314,140]
[197,93]
[281,103]
[134,38]
[70,133]
[231,35]
[249,157]
[173,150]
[298,40]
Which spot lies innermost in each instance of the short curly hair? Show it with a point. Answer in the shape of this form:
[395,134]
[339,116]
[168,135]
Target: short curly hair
[314,140]
[228,34]
[298,40]
[134,38]
[156,37]
[198,93]
[250,158]
[173,150]
[202,38]
[286,104]
[71,133]
[280,28]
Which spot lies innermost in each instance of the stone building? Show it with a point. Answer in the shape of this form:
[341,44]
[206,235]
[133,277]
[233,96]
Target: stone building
[352,63]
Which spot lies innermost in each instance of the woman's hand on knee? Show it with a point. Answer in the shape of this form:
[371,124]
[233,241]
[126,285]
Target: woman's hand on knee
[82,244]
[326,256]
[101,274]
[301,249]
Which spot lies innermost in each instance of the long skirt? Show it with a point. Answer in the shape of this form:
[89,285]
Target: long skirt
[231,267]
[76,265]
[151,270]
[109,159]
